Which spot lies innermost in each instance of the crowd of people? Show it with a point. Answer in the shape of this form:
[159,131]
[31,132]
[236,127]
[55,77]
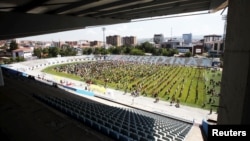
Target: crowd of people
[137,78]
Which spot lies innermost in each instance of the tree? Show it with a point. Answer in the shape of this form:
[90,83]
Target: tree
[53,51]
[45,51]
[20,59]
[97,50]
[13,45]
[115,50]
[104,51]
[147,47]
[69,51]
[188,54]
[85,51]
[127,50]
[172,52]
[136,51]
[89,51]
[38,52]
[164,52]
[156,52]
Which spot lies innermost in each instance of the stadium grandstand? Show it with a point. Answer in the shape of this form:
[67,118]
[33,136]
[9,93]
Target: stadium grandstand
[130,119]
[39,110]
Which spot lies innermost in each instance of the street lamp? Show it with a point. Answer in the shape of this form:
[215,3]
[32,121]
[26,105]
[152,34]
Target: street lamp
[103,29]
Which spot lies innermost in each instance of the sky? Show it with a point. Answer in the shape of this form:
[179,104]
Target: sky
[201,24]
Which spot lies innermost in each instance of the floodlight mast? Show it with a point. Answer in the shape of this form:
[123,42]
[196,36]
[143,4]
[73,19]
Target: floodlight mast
[104,44]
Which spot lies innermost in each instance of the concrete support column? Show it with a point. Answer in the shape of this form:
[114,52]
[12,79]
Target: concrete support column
[235,88]
[1,77]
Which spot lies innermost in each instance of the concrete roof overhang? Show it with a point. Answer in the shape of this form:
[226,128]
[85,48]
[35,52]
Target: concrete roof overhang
[32,17]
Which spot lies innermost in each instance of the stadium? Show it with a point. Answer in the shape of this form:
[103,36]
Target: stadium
[34,109]
[111,111]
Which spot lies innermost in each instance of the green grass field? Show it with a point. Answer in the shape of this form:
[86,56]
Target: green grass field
[190,85]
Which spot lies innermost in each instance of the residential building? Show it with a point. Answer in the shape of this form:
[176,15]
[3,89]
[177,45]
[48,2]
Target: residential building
[158,38]
[129,41]
[22,52]
[96,44]
[187,38]
[72,43]
[172,43]
[217,49]
[184,48]
[83,43]
[114,40]
[213,44]
[198,49]
[211,38]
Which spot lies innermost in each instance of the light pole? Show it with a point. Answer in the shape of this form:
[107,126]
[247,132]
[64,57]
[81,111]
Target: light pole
[104,44]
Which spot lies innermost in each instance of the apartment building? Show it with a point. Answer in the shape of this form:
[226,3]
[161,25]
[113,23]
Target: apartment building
[114,40]
[129,41]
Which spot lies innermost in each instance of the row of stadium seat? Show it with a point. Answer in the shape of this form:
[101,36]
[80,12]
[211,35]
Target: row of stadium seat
[123,124]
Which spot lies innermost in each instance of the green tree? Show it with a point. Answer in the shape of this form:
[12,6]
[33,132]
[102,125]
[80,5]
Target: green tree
[97,50]
[146,47]
[136,51]
[89,51]
[85,51]
[172,52]
[188,54]
[53,51]
[127,50]
[46,50]
[104,51]
[115,50]
[69,51]
[13,45]
[156,52]
[164,52]
[20,59]
[38,52]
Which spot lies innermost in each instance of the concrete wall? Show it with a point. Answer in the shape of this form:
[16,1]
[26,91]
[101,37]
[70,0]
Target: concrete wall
[235,94]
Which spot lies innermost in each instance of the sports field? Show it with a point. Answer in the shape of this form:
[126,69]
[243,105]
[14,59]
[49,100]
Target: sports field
[191,86]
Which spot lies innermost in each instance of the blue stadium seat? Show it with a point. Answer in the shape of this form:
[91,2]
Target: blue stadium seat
[96,126]
[143,139]
[161,133]
[114,134]
[116,128]
[88,122]
[124,138]
[134,136]
[133,130]
[166,139]
[150,137]
[124,132]
[170,136]
[82,119]
[115,122]
[104,130]
[108,125]
[157,135]
[141,133]
[178,139]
